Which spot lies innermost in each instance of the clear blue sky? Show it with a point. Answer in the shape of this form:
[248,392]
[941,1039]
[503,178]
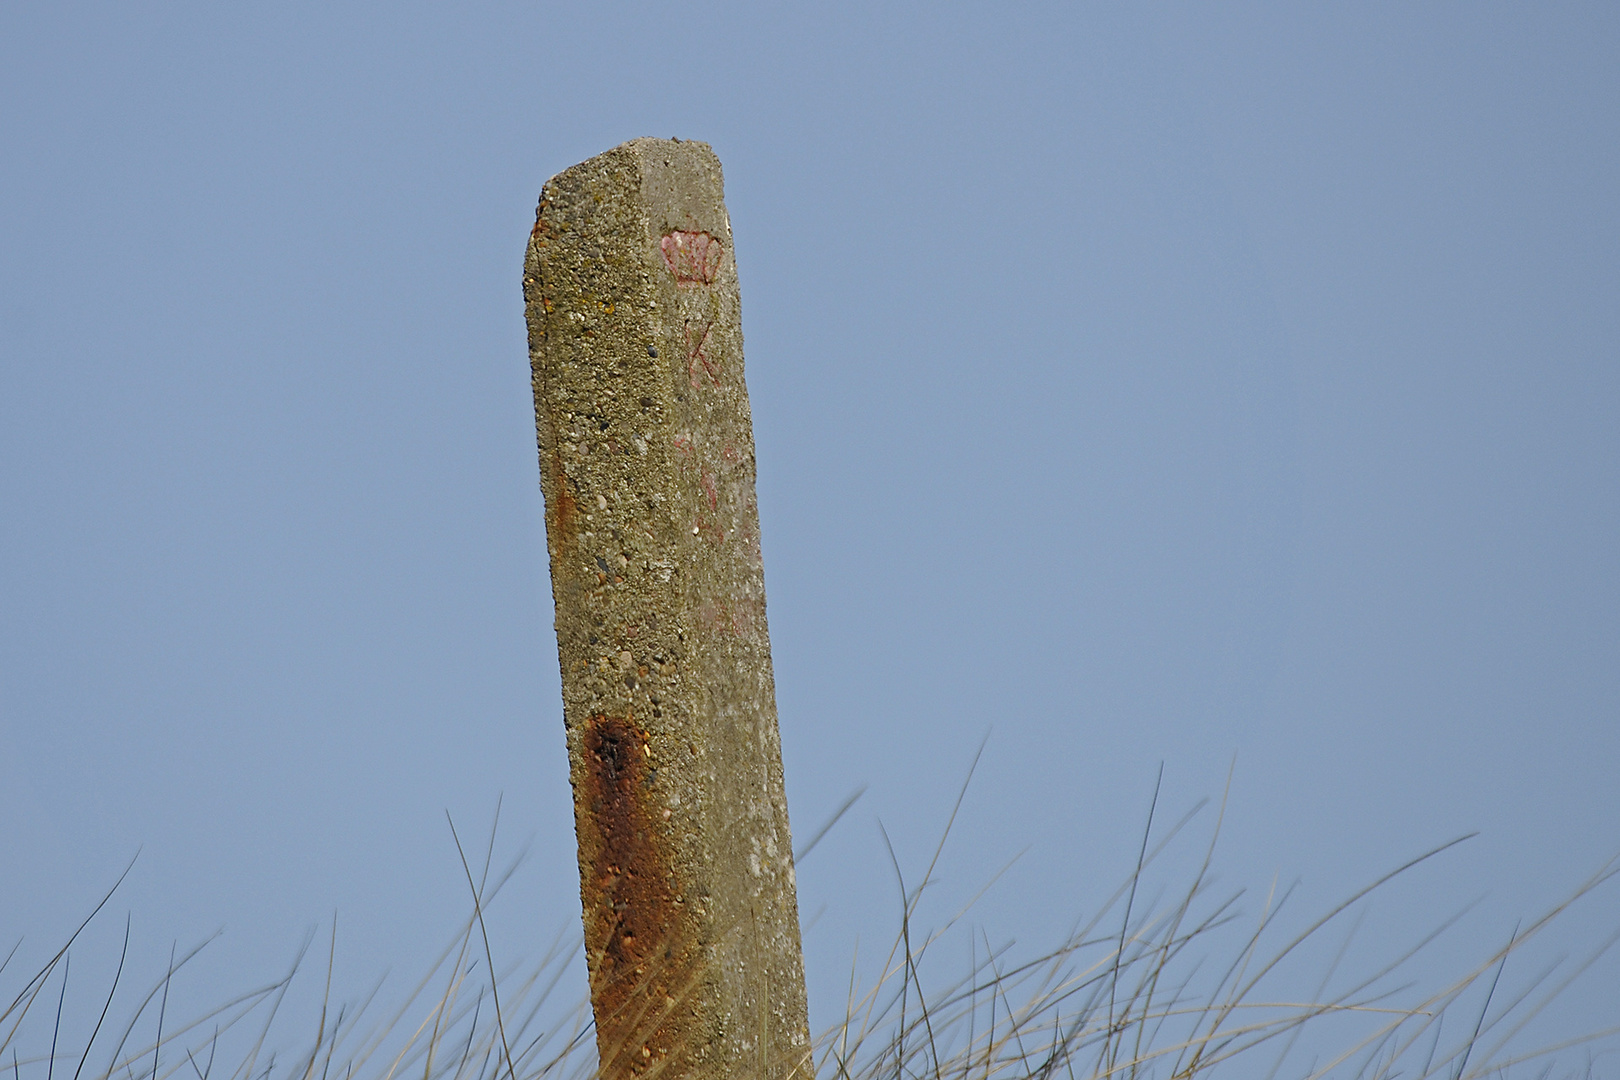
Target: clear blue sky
[1175,383]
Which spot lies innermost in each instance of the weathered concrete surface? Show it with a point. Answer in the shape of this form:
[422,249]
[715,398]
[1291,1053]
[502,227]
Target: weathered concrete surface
[647,463]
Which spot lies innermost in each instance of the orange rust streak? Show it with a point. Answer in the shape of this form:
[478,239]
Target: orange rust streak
[642,962]
[563,510]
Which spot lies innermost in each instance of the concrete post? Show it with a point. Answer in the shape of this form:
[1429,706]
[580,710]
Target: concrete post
[647,464]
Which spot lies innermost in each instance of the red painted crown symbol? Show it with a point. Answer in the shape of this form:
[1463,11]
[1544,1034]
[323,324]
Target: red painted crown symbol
[693,257]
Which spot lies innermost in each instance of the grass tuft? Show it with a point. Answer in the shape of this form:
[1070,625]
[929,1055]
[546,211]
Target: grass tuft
[1182,985]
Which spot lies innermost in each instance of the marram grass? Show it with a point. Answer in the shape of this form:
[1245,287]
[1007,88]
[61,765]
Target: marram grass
[1182,986]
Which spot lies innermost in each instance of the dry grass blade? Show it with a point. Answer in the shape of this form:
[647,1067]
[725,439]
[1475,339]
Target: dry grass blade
[1143,1001]
[1156,983]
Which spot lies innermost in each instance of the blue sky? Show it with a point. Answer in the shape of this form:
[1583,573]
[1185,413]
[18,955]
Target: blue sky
[1228,388]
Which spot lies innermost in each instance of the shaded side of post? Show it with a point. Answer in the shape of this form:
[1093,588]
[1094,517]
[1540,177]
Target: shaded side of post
[647,464]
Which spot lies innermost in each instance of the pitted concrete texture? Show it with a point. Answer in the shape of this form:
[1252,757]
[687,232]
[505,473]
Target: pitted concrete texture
[647,464]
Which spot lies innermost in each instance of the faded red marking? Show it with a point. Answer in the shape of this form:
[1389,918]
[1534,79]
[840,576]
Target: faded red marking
[713,492]
[711,529]
[696,353]
[693,257]
[739,618]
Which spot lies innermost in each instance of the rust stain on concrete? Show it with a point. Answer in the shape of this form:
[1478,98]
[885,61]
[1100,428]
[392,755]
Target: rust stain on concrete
[562,512]
[634,922]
